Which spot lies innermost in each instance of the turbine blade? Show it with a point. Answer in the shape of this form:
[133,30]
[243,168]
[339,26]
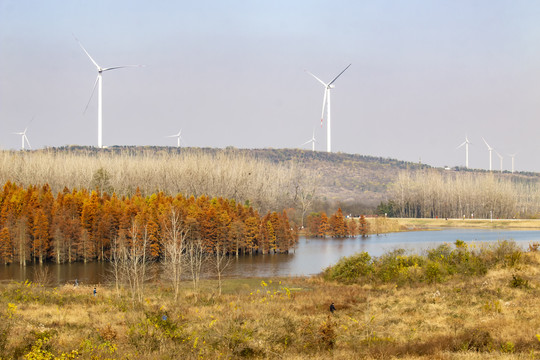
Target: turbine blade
[331,82]
[489,147]
[91,95]
[120,67]
[27,141]
[319,80]
[86,52]
[307,142]
[461,145]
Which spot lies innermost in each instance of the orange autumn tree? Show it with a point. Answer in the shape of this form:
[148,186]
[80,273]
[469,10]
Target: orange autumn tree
[324,226]
[81,225]
[338,227]
[6,246]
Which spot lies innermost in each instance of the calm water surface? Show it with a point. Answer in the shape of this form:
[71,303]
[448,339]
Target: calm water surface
[310,257]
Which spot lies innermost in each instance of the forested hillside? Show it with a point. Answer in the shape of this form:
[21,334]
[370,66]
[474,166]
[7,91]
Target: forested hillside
[268,179]
[354,182]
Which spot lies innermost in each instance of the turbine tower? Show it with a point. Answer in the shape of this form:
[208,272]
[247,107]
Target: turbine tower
[512,156]
[500,158]
[466,143]
[177,136]
[312,141]
[326,103]
[23,139]
[98,82]
[490,151]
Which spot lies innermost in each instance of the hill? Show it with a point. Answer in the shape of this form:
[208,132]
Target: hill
[354,182]
[348,180]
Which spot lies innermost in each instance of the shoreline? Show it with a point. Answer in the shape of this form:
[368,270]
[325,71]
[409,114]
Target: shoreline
[511,224]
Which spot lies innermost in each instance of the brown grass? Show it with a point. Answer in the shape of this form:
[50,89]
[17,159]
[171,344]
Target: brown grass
[465,318]
[412,223]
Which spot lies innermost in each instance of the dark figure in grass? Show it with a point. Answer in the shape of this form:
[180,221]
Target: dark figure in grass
[95,291]
[332,308]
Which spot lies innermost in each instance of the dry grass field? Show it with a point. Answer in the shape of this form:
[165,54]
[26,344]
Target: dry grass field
[524,224]
[491,316]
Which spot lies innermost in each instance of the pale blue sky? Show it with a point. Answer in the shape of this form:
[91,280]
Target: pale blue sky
[231,73]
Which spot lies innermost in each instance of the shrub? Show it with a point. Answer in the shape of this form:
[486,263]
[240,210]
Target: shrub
[327,334]
[475,340]
[519,282]
[396,266]
[440,253]
[350,269]
[508,347]
[434,272]
[503,252]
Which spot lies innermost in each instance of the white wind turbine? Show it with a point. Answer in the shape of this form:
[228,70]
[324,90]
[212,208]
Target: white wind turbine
[312,141]
[500,158]
[326,100]
[466,143]
[177,136]
[24,138]
[490,151]
[512,156]
[98,82]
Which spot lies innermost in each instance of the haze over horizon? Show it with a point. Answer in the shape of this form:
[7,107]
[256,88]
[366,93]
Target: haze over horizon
[424,74]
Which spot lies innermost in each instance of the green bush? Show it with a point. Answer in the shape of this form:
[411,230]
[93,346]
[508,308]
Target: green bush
[398,267]
[434,272]
[434,266]
[350,269]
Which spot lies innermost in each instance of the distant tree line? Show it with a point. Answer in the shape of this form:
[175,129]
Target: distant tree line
[265,185]
[320,225]
[430,194]
[83,225]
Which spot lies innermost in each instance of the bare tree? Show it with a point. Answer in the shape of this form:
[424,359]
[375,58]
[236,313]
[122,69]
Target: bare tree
[132,262]
[196,258]
[174,243]
[305,189]
[42,275]
[115,260]
[219,262]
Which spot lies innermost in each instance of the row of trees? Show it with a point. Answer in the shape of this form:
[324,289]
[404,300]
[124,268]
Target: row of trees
[229,174]
[431,193]
[320,225]
[82,225]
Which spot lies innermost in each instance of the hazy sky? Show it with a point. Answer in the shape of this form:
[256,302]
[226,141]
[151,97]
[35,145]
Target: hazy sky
[231,73]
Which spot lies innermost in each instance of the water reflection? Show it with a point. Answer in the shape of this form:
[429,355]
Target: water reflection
[310,257]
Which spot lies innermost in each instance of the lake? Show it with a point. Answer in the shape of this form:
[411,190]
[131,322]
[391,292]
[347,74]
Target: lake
[310,257]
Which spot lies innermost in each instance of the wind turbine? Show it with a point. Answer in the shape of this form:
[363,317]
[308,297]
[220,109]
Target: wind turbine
[24,138]
[98,82]
[466,143]
[312,141]
[490,151]
[500,158]
[177,136]
[326,100]
[512,156]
